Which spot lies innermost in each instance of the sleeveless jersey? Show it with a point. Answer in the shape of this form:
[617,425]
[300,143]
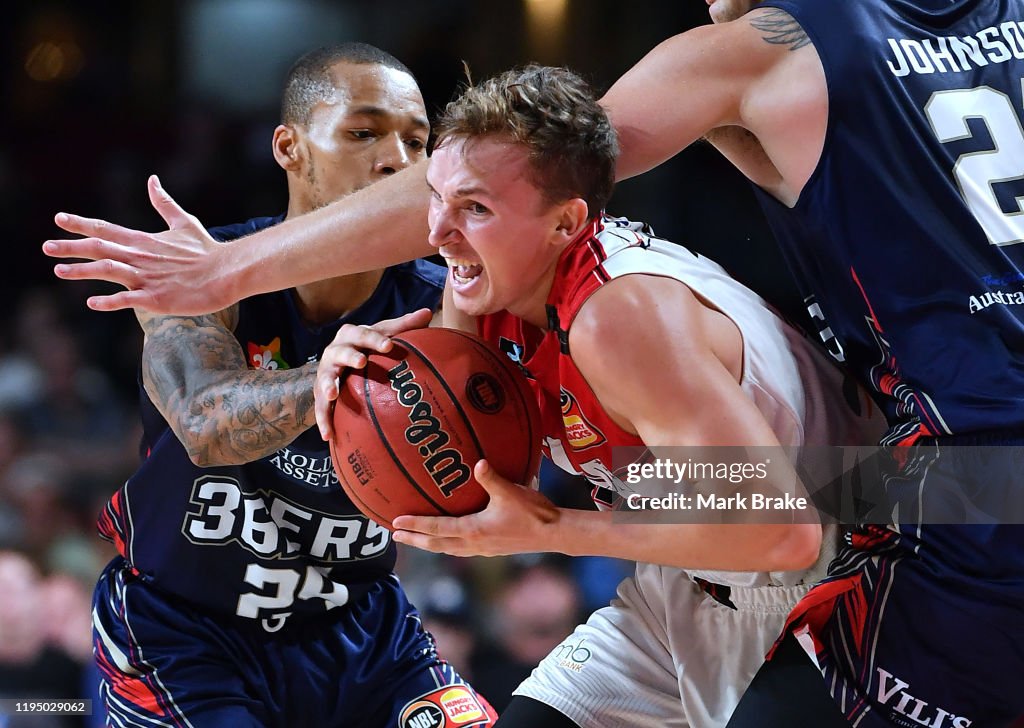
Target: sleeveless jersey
[794,387]
[276,536]
[914,269]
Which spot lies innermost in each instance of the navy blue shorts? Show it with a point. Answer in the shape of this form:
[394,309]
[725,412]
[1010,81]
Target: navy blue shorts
[165,663]
[925,627]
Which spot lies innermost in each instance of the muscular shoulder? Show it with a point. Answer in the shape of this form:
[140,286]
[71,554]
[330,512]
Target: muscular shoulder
[641,322]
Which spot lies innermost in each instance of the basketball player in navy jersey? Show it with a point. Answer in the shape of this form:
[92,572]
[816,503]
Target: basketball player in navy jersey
[596,310]
[886,138]
[249,590]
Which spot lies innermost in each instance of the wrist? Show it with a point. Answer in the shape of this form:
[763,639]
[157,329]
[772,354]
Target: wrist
[234,272]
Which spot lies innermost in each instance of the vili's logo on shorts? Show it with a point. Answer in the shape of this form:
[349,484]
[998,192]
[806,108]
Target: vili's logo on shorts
[573,656]
[893,690]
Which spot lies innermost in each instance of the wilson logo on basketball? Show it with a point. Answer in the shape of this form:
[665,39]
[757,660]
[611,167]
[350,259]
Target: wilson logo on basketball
[444,464]
[485,393]
[578,431]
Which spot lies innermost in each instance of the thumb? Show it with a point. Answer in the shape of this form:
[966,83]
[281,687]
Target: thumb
[163,203]
[493,482]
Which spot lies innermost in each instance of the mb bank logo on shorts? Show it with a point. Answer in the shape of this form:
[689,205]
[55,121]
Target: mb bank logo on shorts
[572,655]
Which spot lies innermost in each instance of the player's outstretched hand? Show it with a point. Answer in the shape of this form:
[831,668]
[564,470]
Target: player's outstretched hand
[348,350]
[515,521]
[172,272]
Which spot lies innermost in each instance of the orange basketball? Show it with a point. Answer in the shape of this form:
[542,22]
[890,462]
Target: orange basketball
[409,428]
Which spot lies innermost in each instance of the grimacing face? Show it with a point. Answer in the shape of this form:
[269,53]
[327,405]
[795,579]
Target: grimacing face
[375,125]
[497,233]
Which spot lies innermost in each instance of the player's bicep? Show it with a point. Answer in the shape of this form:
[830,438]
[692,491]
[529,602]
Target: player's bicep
[663,378]
[685,86]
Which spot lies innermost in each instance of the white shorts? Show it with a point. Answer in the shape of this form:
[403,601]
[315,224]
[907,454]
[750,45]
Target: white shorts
[664,653]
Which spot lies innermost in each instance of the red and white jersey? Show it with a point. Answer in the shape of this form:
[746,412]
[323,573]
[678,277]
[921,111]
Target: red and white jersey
[794,387]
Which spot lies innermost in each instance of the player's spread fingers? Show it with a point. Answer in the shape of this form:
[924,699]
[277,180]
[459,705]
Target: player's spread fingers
[142,300]
[103,270]
[86,248]
[96,228]
[165,205]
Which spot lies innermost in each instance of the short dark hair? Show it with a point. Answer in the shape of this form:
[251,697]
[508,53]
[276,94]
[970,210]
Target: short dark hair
[552,112]
[309,80]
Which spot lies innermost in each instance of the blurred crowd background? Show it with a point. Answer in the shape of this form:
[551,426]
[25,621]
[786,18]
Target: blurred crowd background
[98,95]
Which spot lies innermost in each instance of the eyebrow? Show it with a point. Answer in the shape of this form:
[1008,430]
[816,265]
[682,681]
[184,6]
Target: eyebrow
[377,111]
[468,191]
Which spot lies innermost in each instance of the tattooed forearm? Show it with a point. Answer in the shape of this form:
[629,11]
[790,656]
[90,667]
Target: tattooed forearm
[779,28]
[222,412]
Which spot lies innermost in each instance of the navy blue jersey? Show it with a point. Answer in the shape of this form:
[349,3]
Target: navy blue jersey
[907,239]
[276,536]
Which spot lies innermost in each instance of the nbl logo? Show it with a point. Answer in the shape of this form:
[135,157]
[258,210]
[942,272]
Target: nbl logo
[425,716]
[485,393]
[450,706]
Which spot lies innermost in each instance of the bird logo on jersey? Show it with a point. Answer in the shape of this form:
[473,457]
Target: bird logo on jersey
[267,356]
[515,351]
[579,433]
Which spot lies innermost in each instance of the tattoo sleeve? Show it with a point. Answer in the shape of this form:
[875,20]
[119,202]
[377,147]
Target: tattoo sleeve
[222,412]
[779,28]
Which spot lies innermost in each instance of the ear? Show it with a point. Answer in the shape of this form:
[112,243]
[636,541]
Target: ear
[287,148]
[573,218]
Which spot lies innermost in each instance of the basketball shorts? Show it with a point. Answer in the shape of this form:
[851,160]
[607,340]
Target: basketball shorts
[165,663]
[924,626]
[664,653]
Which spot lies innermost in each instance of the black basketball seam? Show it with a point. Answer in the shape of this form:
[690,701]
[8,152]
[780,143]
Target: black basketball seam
[351,492]
[505,363]
[394,457]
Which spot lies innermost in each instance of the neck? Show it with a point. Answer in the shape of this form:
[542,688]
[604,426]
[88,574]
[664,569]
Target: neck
[533,308]
[324,301]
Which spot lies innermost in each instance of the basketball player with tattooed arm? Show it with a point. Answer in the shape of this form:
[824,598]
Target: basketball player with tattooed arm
[884,136]
[521,170]
[249,590]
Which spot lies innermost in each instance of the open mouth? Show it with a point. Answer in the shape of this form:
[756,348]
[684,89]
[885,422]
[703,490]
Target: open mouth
[464,271]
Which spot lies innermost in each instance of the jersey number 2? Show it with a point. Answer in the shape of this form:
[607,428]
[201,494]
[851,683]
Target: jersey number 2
[976,172]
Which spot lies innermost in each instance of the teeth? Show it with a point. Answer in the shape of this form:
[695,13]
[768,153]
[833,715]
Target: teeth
[459,262]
